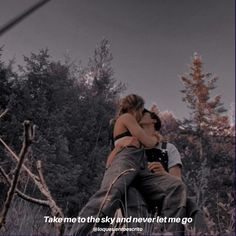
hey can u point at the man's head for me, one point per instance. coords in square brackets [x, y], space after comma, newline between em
[150, 118]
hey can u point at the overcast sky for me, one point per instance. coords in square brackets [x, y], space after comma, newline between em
[152, 41]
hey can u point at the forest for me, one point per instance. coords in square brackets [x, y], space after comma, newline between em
[54, 124]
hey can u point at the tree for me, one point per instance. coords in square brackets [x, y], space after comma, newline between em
[98, 92]
[5, 94]
[72, 113]
[207, 113]
[169, 124]
[208, 159]
[99, 68]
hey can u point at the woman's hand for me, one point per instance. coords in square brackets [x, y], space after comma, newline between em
[124, 142]
[128, 141]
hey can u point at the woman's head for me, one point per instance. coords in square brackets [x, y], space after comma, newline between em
[132, 104]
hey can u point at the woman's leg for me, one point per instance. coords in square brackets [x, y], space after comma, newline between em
[115, 181]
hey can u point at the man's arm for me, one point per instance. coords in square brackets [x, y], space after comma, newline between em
[175, 171]
[174, 162]
[156, 167]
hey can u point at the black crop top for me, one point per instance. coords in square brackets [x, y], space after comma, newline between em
[113, 139]
[125, 134]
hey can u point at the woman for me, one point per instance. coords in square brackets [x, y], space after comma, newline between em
[124, 138]
[125, 166]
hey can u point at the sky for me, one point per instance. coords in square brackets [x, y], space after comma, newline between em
[152, 41]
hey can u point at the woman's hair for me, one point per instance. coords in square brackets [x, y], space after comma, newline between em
[155, 117]
[130, 102]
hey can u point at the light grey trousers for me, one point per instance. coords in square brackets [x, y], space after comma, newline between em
[130, 166]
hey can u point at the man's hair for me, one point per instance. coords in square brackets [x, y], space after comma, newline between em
[155, 117]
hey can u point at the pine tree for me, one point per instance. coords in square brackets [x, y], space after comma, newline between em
[207, 117]
[208, 160]
[207, 114]
[100, 97]
[100, 70]
[169, 124]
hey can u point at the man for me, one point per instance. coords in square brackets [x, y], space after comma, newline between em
[164, 158]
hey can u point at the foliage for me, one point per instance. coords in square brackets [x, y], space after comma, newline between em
[72, 119]
[209, 144]
[206, 111]
[72, 106]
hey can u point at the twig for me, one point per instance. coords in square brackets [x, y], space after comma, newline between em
[20, 17]
[42, 180]
[4, 113]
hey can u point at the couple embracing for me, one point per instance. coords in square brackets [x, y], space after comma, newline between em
[135, 132]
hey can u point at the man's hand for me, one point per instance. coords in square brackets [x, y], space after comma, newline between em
[155, 167]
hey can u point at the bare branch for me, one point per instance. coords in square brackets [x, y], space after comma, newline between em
[4, 113]
[26, 143]
[21, 194]
[23, 15]
[56, 211]
[41, 177]
[38, 180]
[42, 186]
[33, 176]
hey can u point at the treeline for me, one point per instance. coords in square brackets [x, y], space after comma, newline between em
[71, 107]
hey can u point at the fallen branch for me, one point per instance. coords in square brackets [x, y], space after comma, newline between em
[55, 210]
[26, 143]
[21, 194]
[33, 176]
[40, 183]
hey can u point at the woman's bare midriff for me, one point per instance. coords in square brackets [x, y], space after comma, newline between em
[119, 144]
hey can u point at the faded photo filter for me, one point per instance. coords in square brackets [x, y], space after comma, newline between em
[117, 117]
